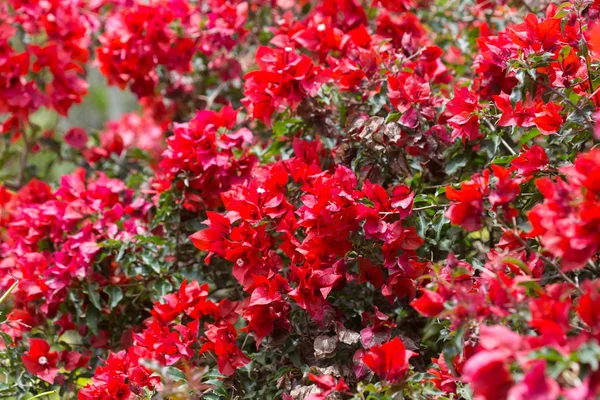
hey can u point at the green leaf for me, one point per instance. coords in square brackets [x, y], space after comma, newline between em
[162, 287]
[115, 295]
[93, 295]
[503, 159]
[176, 374]
[393, 117]
[7, 339]
[457, 162]
[92, 317]
[534, 132]
[286, 127]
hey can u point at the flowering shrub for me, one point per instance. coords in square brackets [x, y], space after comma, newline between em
[333, 199]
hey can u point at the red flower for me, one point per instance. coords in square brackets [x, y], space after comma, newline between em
[328, 384]
[76, 137]
[430, 304]
[465, 125]
[284, 78]
[530, 160]
[547, 119]
[488, 374]
[467, 206]
[40, 361]
[389, 361]
[536, 385]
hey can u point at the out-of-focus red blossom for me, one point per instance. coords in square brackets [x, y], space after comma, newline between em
[487, 371]
[328, 384]
[72, 219]
[567, 221]
[488, 375]
[389, 361]
[139, 38]
[40, 361]
[135, 130]
[76, 137]
[535, 385]
[587, 306]
[61, 56]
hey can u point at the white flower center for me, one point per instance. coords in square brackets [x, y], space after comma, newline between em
[43, 360]
[321, 27]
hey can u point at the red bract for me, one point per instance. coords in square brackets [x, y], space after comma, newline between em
[566, 222]
[467, 206]
[430, 304]
[137, 40]
[200, 156]
[464, 123]
[40, 361]
[535, 385]
[328, 384]
[389, 361]
[530, 160]
[587, 306]
[266, 309]
[76, 137]
[488, 375]
[284, 79]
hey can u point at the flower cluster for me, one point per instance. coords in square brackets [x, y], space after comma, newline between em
[49, 245]
[175, 335]
[200, 157]
[315, 199]
[49, 73]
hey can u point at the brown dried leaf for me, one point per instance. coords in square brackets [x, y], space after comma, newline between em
[325, 346]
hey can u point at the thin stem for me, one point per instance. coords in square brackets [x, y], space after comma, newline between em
[42, 394]
[433, 206]
[504, 142]
[508, 147]
[10, 289]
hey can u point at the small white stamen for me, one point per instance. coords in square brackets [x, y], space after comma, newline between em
[42, 360]
[321, 27]
[260, 190]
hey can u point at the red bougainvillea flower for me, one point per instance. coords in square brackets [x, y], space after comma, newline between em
[76, 137]
[462, 107]
[488, 374]
[535, 385]
[328, 384]
[467, 202]
[389, 361]
[531, 160]
[430, 304]
[284, 78]
[40, 361]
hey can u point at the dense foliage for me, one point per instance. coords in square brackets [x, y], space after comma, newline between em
[316, 199]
